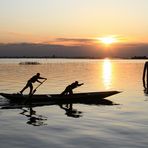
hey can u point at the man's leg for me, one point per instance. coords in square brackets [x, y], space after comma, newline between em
[65, 91]
[31, 88]
[70, 92]
[24, 88]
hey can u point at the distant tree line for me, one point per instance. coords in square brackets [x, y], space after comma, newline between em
[139, 57]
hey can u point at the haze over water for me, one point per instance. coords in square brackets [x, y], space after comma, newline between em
[123, 125]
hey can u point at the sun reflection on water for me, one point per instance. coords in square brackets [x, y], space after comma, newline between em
[107, 73]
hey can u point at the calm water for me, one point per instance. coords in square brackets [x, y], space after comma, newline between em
[124, 125]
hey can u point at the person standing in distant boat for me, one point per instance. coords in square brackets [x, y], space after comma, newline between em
[69, 89]
[145, 76]
[34, 79]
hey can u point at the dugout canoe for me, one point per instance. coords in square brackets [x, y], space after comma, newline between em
[85, 98]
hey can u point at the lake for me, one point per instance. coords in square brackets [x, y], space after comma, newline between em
[124, 125]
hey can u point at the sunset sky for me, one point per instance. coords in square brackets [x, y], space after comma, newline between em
[42, 21]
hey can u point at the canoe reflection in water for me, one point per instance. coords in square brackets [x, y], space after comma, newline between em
[70, 111]
[39, 120]
[33, 118]
[17, 101]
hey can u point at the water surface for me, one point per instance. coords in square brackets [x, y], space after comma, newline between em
[124, 125]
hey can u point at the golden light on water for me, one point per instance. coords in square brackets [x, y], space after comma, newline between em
[107, 73]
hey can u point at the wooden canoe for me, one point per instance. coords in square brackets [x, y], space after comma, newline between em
[85, 98]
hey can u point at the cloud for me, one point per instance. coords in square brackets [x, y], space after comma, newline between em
[84, 40]
[71, 41]
[83, 50]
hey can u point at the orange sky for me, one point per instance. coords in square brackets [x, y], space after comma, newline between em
[42, 21]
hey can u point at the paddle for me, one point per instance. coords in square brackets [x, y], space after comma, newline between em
[34, 91]
[37, 87]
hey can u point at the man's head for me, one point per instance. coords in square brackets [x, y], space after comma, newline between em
[38, 74]
[76, 82]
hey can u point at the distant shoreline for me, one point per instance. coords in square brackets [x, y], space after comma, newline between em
[140, 57]
[56, 58]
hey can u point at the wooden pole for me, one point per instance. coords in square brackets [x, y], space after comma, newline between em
[145, 76]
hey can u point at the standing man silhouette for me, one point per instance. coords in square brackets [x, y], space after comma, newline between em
[34, 79]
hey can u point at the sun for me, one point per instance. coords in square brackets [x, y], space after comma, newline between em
[108, 40]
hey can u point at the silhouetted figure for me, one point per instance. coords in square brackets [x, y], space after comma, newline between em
[69, 89]
[34, 79]
[70, 112]
[145, 76]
